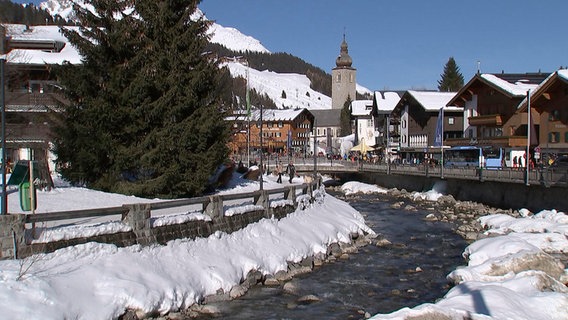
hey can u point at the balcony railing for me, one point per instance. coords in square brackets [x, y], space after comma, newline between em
[486, 120]
[34, 101]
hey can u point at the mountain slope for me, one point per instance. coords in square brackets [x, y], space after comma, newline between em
[287, 90]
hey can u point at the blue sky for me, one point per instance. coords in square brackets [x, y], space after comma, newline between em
[405, 44]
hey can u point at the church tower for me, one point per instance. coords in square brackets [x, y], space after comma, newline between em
[343, 78]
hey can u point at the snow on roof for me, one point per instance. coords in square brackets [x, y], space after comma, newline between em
[40, 33]
[386, 101]
[563, 73]
[361, 107]
[434, 100]
[276, 114]
[518, 89]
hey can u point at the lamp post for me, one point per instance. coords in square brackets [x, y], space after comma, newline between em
[527, 180]
[4, 204]
[261, 152]
[315, 150]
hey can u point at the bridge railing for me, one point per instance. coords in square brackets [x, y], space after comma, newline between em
[226, 212]
[544, 176]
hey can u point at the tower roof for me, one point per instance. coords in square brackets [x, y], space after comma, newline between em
[343, 60]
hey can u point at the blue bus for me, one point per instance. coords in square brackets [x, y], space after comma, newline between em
[474, 156]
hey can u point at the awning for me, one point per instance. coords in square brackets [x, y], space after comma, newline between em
[362, 147]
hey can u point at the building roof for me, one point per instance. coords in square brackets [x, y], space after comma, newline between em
[32, 45]
[560, 76]
[430, 101]
[361, 107]
[516, 89]
[511, 85]
[385, 101]
[278, 114]
[434, 100]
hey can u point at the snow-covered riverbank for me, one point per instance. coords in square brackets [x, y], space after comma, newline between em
[514, 269]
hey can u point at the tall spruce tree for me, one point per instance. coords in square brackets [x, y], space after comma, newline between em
[345, 118]
[144, 119]
[452, 79]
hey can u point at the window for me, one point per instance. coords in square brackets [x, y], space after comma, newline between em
[404, 124]
[339, 77]
[565, 136]
[554, 115]
[280, 124]
[450, 120]
[554, 137]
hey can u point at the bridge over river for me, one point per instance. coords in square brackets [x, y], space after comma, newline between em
[537, 189]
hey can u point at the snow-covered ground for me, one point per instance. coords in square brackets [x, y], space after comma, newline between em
[98, 281]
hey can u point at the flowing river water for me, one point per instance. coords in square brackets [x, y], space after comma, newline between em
[407, 273]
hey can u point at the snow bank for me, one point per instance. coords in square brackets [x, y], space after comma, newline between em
[512, 275]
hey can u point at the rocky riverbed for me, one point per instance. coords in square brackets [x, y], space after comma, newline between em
[462, 215]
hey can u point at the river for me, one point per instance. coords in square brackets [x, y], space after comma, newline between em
[407, 273]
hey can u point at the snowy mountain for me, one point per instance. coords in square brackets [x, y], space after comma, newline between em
[295, 86]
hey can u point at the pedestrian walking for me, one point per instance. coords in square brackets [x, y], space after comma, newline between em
[291, 170]
[279, 172]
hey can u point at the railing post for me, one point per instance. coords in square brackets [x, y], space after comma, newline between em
[12, 235]
[290, 194]
[262, 199]
[214, 207]
[138, 218]
[306, 188]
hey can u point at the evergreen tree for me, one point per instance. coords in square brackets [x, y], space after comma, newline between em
[452, 79]
[144, 120]
[345, 118]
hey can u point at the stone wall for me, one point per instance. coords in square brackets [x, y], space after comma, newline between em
[496, 194]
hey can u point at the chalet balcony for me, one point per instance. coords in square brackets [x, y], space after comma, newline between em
[492, 120]
[34, 101]
[20, 135]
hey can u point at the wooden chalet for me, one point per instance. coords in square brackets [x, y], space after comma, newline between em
[549, 114]
[417, 114]
[489, 101]
[32, 96]
[283, 131]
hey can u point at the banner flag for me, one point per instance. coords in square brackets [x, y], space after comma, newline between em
[439, 135]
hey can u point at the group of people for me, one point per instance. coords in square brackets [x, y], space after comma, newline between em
[290, 170]
[521, 162]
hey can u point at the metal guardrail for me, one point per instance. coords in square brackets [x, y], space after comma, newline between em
[541, 176]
